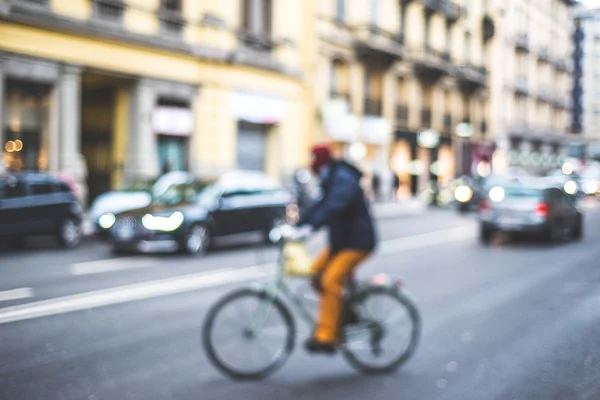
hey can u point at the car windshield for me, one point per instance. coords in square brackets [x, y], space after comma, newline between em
[520, 192]
[208, 196]
[176, 194]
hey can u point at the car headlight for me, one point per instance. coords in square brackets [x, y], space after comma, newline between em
[106, 221]
[571, 187]
[496, 194]
[165, 224]
[591, 187]
[463, 193]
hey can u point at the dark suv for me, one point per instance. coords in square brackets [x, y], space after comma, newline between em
[38, 204]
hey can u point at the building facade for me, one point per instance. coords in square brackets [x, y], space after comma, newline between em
[531, 82]
[395, 79]
[112, 92]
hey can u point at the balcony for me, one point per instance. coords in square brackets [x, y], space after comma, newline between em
[448, 8]
[42, 3]
[522, 42]
[521, 86]
[401, 116]
[372, 106]
[448, 123]
[560, 101]
[377, 46]
[544, 55]
[431, 64]
[171, 23]
[426, 118]
[543, 95]
[561, 65]
[339, 95]
[471, 77]
[108, 10]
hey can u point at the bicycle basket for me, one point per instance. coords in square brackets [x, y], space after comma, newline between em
[297, 260]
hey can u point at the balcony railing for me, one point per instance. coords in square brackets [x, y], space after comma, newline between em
[372, 106]
[449, 8]
[431, 63]
[337, 94]
[522, 42]
[544, 54]
[171, 23]
[37, 2]
[448, 123]
[375, 43]
[473, 74]
[109, 10]
[426, 118]
[521, 86]
[402, 115]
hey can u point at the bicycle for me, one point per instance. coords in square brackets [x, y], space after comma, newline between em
[360, 330]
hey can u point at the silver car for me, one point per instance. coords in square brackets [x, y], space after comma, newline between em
[529, 208]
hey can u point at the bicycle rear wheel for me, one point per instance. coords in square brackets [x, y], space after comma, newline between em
[387, 333]
[248, 334]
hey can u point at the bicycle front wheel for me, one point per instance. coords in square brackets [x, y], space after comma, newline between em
[248, 334]
[386, 333]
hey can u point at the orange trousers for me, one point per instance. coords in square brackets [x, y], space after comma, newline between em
[335, 271]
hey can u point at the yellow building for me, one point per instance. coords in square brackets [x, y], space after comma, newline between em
[111, 91]
[396, 78]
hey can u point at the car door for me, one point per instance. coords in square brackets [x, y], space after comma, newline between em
[557, 208]
[571, 214]
[15, 208]
[46, 205]
[231, 214]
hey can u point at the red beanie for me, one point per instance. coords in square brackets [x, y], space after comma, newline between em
[321, 156]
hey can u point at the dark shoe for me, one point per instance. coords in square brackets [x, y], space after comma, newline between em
[312, 345]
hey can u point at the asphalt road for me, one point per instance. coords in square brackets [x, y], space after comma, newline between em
[510, 321]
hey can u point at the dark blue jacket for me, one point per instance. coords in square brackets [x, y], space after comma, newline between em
[343, 208]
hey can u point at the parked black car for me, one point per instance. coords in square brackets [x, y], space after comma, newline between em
[34, 204]
[187, 220]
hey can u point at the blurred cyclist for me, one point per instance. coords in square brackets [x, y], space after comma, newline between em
[343, 208]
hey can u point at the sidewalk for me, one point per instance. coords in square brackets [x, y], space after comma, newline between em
[398, 209]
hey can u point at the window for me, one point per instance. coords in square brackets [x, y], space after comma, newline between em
[340, 10]
[13, 189]
[427, 26]
[374, 11]
[109, 10]
[171, 21]
[403, 6]
[40, 188]
[448, 36]
[467, 56]
[257, 17]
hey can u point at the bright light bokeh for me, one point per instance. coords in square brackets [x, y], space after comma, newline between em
[497, 194]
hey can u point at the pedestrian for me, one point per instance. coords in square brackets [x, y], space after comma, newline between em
[376, 184]
[395, 185]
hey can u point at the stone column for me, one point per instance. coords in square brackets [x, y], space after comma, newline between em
[2, 122]
[142, 154]
[71, 159]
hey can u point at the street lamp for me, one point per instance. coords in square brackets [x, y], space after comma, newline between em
[430, 139]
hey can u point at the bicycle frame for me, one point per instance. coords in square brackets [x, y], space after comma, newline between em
[278, 288]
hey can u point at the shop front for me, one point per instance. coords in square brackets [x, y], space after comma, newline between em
[173, 127]
[258, 145]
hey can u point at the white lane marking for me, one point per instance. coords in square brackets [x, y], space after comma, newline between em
[427, 239]
[192, 282]
[16, 294]
[129, 293]
[113, 264]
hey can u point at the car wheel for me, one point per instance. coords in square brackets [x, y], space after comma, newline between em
[69, 234]
[196, 240]
[485, 235]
